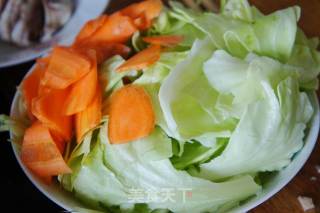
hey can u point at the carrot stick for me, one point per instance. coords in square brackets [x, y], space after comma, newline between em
[168, 41]
[142, 59]
[131, 115]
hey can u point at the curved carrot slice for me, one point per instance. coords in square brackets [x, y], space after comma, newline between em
[59, 141]
[30, 85]
[170, 40]
[105, 50]
[131, 115]
[142, 59]
[66, 67]
[47, 108]
[142, 22]
[40, 154]
[91, 27]
[117, 28]
[88, 118]
[82, 93]
[149, 9]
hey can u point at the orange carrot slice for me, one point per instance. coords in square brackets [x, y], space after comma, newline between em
[142, 22]
[131, 115]
[91, 27]
[66, 67]
[104, 50]
[168, 41]
[59, 141]
[82, 93]
[40, 154]
[142, 59]
[149, 9]
[30, 85]
[47, 108]
[116, 29]
[88, 118]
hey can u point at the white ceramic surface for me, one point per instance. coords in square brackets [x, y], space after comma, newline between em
[276, 183]
[85, 10]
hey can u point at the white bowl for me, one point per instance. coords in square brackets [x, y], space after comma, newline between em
[67, 201]
[85, 10]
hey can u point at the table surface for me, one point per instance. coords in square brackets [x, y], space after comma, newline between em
[19, 193]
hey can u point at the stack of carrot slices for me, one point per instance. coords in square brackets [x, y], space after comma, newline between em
[62, 93]
[63, 96]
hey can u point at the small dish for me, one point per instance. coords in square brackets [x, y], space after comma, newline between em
[85, 10]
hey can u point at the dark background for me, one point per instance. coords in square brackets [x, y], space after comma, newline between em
[19, 194]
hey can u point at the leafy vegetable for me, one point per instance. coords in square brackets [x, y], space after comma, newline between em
[269, 144]
[116, 170]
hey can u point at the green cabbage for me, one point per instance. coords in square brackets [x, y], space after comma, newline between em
[109, 175]
[230, 101]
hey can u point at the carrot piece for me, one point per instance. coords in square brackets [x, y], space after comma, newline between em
[142, 22]
[82, 93]
[59, 140]
[40, 154]
[88, 118]
[142, 59]
[148, 9]
[104, 50]
[30, 85]
[91, 27]
[66, 67]
[116, 29]
[168, 41]
[131, 114]
[47, 108]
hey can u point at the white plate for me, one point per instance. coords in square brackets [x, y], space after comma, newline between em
[67, 201]
[85, 10]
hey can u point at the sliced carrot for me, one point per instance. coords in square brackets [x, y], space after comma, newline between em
[59, 140]
[104, 50]
[170, 40]
[149, 9]
[116, 29]
[40, 154]
[47, 108]
[66, 67]
[88, 118]
[30, 85]
[82, 93]
[91, 27]
[142, 22]
[142, 59]
[131, 114]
